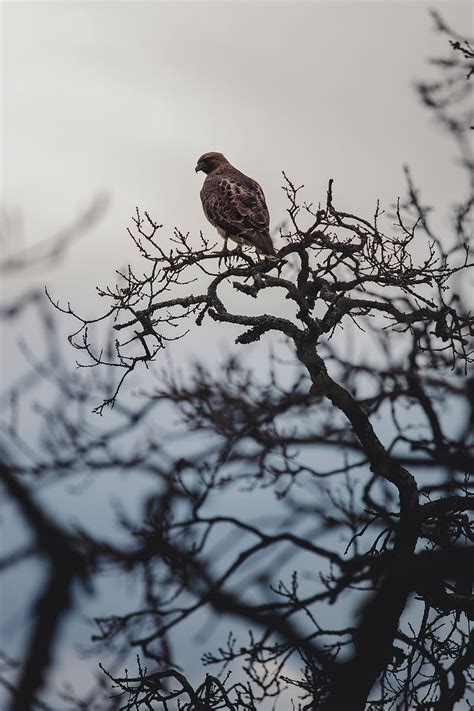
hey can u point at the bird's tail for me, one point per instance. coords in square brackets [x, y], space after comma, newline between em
[266, 246]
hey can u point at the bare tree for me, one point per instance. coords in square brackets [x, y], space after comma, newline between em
[363, 431]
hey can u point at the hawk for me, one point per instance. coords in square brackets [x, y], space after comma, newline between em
[234, 204]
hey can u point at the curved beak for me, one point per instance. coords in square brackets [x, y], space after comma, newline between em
[198, 168]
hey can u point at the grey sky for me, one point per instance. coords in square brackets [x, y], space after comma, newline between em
[123, 97]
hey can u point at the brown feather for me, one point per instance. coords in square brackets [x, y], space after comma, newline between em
[235, 205]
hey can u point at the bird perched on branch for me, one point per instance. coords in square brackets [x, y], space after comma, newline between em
[235, 204]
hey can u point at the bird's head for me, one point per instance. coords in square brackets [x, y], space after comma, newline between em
[209, 162]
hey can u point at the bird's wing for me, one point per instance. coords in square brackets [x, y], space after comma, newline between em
[236, 204]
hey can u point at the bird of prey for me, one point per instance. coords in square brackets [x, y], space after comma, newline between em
[235, 204]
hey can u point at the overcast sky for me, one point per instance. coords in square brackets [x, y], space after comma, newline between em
[122, 97]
